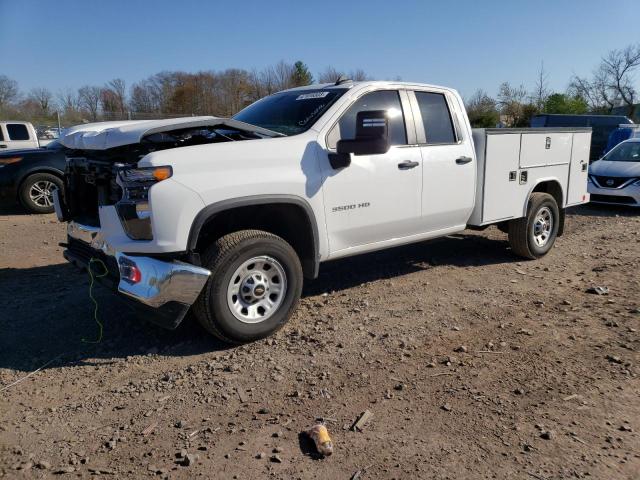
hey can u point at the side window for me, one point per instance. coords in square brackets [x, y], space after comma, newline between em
[436, 118]
[17, 131]
[388, 100]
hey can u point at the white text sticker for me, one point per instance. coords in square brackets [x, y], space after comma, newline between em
[309, 96]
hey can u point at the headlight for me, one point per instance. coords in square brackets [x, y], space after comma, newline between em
[133, 209]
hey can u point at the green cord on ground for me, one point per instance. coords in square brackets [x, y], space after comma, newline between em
[95, 303]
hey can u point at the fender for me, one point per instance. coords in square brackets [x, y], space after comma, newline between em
[210, 211]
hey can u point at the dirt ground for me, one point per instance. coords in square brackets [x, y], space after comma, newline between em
[473, 363]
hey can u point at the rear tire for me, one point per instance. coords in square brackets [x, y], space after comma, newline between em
[254, 287]
[36, 192]
[533, 235]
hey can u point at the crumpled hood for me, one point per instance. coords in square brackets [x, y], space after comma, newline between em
[104, 135]
[603, 168]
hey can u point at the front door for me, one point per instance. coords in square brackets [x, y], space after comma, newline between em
[377, 197]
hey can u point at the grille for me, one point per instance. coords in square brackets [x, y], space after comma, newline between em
[612, 199]
[611, 182]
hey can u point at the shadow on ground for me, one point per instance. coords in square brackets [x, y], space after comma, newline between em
[602, 210]
[47, 312]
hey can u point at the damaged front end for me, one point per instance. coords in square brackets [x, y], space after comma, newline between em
[106, 197]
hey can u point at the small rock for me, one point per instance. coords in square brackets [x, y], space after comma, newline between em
[446, 407]
[43, 465]
[625, 428]
[461, 349]
[614, 359]
[399, 387]
[264, 411]
[180, 424]
[547, 435]
[598, 290]
[519, 391]
[260, 455]
[275, 459]
[189, 459]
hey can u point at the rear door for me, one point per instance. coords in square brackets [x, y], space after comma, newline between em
[578, 169]
[448, 160]
[378, 197]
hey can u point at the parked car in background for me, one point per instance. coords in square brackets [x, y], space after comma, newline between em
[30, 176]
[615, 179]
[601, 126]
[18, 136]
[622, 133]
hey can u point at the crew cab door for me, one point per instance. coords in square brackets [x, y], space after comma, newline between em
[376, 197]
[448, 160]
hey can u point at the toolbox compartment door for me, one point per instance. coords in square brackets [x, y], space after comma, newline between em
[544, 149]
[579, 169]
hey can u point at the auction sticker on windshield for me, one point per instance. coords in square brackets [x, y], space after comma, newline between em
[309, 96]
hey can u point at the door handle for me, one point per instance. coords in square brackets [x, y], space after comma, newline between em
[407, 164]
[463, 160]
[3, 146]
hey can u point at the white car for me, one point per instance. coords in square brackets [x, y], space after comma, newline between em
[229, 215]
[18, 136]
[615, 178]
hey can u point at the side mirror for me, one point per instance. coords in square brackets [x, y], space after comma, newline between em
[372, 138]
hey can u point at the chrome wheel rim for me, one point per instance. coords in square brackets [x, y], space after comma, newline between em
[543, 226]
[257, 289]
[41, 193]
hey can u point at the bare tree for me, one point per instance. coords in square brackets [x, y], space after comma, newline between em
[541, 91]
[617, 70]
[482, 110]
[118, 88]
[89, 100]
[329, 75]
[43, 98]
[612, 82]
[8, 91]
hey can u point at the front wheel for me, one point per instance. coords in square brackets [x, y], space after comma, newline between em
[36, 192]
[533, 235]
[254, 287]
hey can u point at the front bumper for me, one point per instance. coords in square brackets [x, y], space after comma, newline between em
[166, 289]
[629, 195]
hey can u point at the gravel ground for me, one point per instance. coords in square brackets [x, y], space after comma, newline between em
[472, 363]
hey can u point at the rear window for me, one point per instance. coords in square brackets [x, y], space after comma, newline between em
[17, 131]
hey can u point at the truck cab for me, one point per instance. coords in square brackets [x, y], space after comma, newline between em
[226, 216]
[17, 136]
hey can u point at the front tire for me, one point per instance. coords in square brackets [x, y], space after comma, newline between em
[533, 235]
[36, 192]
[254, 287]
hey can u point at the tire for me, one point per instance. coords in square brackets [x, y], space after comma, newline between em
[238, 263]
[533, 235]
[36, 192]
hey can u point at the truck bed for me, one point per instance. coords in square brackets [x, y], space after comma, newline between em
[512, 161]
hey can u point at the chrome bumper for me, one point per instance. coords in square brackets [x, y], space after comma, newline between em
[160, 282]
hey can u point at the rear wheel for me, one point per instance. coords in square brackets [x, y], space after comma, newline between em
[36, 192]
[533, 235]
[254, 287]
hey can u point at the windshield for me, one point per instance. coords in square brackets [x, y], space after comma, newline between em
[292, 112]
[624, 152]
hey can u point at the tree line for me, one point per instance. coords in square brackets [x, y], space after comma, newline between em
[225, 92]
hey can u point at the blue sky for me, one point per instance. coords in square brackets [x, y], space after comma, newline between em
[458, 43]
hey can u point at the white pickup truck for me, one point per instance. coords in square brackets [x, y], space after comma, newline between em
[226, 216]
[19, 136]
